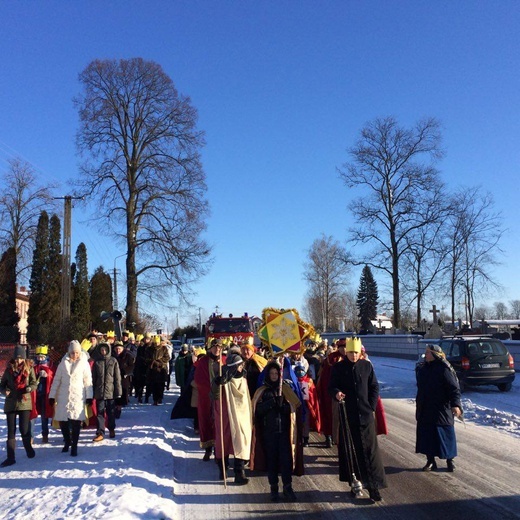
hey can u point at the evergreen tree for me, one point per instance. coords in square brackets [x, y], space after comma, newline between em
[367, 298]
[8, 315]
[37, 280]
[80, 303]
[100, 299]
[51, 298]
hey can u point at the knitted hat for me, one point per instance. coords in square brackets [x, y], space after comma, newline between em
[19, 352]
[233, 358]
[74, 346]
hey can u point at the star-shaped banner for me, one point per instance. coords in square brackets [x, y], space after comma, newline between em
[283, 330]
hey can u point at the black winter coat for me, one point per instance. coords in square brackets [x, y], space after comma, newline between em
[106, 378]
[358, 382]
[437, 392]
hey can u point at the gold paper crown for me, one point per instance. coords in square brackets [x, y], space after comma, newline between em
[42, 350]
[86, 344]
[111, 334]
[353, 345]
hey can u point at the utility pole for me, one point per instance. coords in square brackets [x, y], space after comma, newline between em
[65, 266]
[116, 303]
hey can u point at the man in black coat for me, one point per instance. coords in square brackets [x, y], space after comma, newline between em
[354, 385]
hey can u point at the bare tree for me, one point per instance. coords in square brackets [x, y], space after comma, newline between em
[474, 231]
[387, 162]
[144, 171]
[515, 309]
[22, 200]
[425, 255]
[327, 275]
[500, 309]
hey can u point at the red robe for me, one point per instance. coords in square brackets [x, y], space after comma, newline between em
[49, 410]
[310, 396]
[324, 399]
[206, 369]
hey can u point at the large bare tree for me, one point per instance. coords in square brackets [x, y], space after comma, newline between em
[474, 230]
[327, 276]
[22, 200]
[394, 166]
[143, 169]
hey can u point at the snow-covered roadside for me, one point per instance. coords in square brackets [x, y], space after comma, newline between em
[129, 477]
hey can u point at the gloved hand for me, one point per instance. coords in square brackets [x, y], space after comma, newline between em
[52, 401]
[42, 373]
[28, 390]
[89, 402]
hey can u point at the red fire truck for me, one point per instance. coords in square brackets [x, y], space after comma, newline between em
[239, 328]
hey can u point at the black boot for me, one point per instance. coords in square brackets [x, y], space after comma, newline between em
[374, 494]
[431, 465]
[220, 469]
[65, 431]
[11, 446]
[305, 442]
[240, 474]
[274, 494]
[207, 454]
[28, 446]
[76, 427]
[451, 465]
[288, 493]
[328, 441]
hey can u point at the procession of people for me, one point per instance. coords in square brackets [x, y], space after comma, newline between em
[248, 402]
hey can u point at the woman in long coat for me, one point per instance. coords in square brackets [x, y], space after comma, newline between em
[18, 382]
[71, 390]
[437, 403]
[354, 385]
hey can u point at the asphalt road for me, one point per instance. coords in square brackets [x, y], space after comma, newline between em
[485, 485]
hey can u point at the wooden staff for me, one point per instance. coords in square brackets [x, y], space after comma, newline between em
[222, 460]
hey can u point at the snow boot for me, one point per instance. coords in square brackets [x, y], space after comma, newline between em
[27, 444]
[305, 442]
[274, 495]
[11, 446]
[451, 465]
[328, 441]
[65, 431]
[76, 427]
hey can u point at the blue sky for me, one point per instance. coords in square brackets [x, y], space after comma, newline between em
[282, 89]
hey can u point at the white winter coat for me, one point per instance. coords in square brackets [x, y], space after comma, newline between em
[71, 386]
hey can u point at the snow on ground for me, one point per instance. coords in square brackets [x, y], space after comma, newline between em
[133, 476]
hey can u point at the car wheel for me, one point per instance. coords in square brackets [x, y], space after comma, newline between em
[504, 387]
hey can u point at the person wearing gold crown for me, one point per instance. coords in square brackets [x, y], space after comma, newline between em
[44, 373]
[353, 384]
[253, 366]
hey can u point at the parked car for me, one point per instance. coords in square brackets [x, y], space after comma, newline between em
[480, 360]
